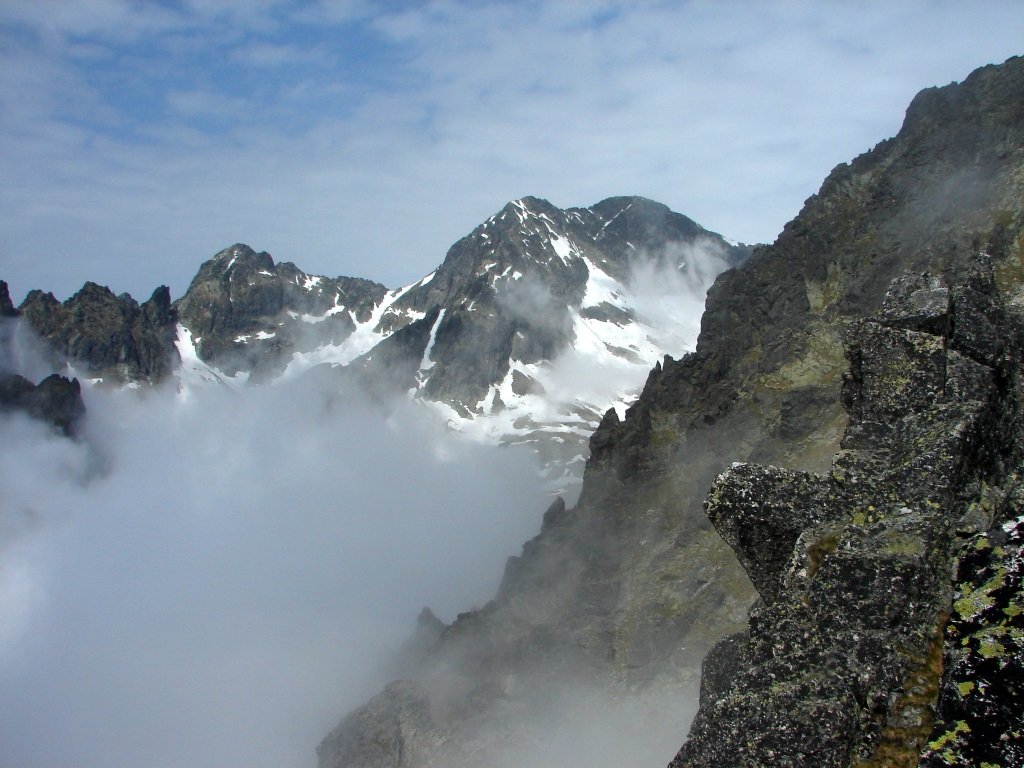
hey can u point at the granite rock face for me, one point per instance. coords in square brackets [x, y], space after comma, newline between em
[843, 661]
[851, 657]
[56, 400]
[106, 336]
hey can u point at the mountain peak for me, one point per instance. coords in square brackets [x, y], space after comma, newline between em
[241, 254]
[518, 212]
[6, 305]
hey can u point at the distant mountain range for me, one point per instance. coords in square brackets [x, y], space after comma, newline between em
[533, 326]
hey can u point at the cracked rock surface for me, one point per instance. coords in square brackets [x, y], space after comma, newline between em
[859, 626]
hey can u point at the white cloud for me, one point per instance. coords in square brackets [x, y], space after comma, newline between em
[223, 589]
[731, 113]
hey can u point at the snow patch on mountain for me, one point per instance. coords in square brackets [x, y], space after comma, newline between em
[563, 247]
[426, 363]
[196, 372]
[364, 338]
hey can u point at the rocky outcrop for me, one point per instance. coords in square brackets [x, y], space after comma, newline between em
[106, 336]
[629, 589]
[56, 400]
[247, 313]
[843, 660]
[931, 393]
[395, 728]
[6, 306]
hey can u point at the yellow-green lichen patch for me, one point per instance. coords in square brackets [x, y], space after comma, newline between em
[897, 543]
[866, 516]
[821, 294]
[819, 549]
[973, 604]
[990, 647]
[1009, 272]
[945, 746]
[823, 363]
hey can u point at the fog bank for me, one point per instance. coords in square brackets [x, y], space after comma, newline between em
[213, 581]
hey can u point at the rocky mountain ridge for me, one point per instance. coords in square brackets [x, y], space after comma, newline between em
[56, 399]
[801, 361]
[492, 339]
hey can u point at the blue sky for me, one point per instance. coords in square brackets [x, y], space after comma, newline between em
[139, 138]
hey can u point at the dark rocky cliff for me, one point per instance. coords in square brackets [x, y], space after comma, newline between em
[106, 336]
[55, 399]
[244, 310]
[843, 660]
[632, 587]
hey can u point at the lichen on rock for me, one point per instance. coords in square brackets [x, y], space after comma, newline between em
[843, 665]
[981, 706]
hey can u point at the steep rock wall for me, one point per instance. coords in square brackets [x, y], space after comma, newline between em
[842, 662]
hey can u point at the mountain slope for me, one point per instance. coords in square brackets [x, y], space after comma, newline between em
[532, 326]
[630, 588]
[246, 313]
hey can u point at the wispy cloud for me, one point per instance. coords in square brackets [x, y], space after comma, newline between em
[349, 139]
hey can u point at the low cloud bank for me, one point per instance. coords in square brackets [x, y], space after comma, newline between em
[214, 581]
[595, 730]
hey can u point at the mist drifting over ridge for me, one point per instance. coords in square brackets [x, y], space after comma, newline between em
[210, 581]
[212, 574]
